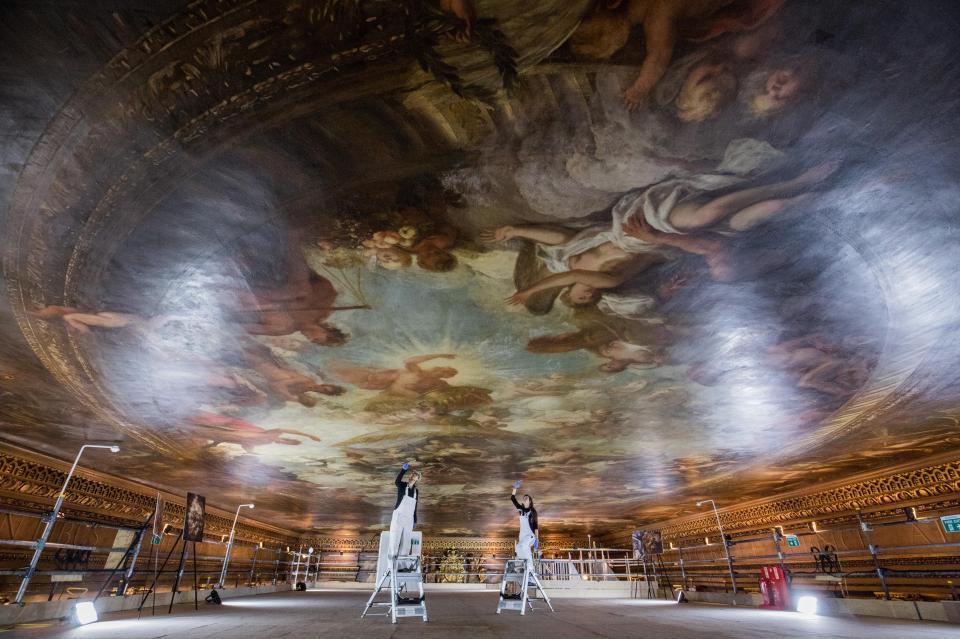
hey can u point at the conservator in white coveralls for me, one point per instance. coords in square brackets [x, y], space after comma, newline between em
[404, 513]
[529, 539]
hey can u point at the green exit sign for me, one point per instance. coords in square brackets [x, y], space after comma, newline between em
[793, 541]
[950, 523]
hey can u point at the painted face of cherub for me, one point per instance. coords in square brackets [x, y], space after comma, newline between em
[393, 259]
[705, 92]
[583, 295]
[781, 88]
[385, 239]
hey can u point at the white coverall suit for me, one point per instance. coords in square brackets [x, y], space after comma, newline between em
[401, 525]
[526, 539]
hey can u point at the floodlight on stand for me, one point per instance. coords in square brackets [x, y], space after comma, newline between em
[724, 539]
[807, 605]
[85, 612]
[51, 520]
[226, 555]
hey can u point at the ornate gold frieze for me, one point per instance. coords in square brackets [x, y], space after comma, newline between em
[431, 544]
[920, 488]
[32, 487]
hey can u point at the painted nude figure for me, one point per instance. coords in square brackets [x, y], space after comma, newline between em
[646, 221]
[411, 381]
[607, 29]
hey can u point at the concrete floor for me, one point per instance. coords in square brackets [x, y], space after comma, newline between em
[468, 615]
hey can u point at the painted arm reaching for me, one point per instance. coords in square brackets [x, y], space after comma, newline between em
[412, 364]
[593, 279]
[549, 235]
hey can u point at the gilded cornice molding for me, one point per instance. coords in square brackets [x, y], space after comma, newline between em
[930, 488]
[31, 485]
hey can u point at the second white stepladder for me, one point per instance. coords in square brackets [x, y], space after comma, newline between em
[522, 573]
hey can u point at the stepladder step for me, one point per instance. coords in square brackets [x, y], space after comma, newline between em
[400, 587]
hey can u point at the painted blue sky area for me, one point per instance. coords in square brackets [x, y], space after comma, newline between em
[415, 312]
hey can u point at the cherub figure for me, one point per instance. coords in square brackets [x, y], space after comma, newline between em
[820, 365]
[618, 353]
[283, 382]
[420, 230]
[302, 303]
[607, 29]
[396, 250]
[778, 85]
[707, 86]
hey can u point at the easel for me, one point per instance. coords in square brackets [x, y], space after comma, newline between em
[176, 583]
[401, 573]
[133, 550]
[522, 573]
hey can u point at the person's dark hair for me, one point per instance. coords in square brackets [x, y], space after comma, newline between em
[534, 524]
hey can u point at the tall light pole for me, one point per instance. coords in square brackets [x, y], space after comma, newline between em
[723, 538]
[226, 557]
[51, 519]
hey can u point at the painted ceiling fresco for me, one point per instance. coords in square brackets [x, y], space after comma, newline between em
[633, 253]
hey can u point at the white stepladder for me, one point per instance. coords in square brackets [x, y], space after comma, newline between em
[402, 578]
[520, 572]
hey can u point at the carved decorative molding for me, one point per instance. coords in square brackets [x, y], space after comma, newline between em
[32, 486]
[432, 544]
[929, 489]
